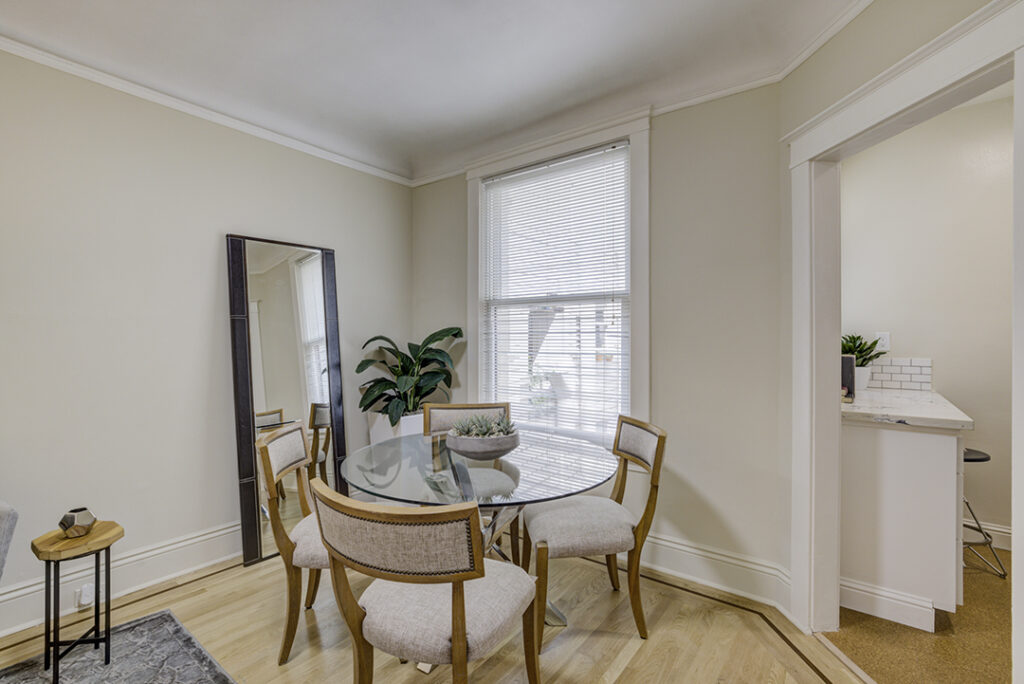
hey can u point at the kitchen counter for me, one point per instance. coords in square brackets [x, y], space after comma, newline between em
[901, 556]
[914, 408]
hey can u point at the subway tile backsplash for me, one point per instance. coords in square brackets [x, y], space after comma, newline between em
[901, 372]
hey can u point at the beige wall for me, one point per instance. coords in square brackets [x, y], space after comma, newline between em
[881, 35]
[439, 266]
[927, 255]
[714, 323]
[116, 389]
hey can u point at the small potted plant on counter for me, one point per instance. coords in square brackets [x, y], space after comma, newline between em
[393, 402]
[483, 438]
[865, 353]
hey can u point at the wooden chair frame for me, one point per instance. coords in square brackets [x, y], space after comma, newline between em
[316, 448]
[640, 531]
[354, 613]
[285, 545]
[280, 419]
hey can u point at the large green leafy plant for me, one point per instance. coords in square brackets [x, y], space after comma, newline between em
[410, 378]
[861, 348]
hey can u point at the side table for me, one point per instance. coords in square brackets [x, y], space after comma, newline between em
[52, 548]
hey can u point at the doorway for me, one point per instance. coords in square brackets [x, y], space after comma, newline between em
[947, 73]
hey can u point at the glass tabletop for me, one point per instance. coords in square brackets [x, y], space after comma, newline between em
[421, 470]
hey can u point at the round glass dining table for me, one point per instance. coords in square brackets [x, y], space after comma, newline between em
[419, 469]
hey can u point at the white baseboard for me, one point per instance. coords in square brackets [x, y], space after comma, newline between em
[887, 604]
[1001, 534]
[21, 605]
[727, 571]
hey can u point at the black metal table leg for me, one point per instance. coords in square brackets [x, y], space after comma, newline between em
[46, 619]
[96, 604]
[56, 621]
[106, 595]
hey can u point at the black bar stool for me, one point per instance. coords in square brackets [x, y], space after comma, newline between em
[975, 456]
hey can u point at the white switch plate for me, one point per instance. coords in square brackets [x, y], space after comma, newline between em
[884, 343]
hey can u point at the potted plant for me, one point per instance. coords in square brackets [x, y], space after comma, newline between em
[865, 353]
[483, 438]
[393, 402]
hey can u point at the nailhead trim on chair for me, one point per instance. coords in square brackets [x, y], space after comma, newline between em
[469, 543]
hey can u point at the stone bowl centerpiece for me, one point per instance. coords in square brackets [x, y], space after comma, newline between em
[482, 437]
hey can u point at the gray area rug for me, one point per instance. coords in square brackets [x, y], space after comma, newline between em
[155, 648]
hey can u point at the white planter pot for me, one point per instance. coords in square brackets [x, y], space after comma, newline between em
[381, 428]
[861, 377]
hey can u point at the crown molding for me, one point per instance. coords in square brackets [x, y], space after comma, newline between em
[34, 54]
[823, 37]
[913, 59]
[149, 94]
[826, 35]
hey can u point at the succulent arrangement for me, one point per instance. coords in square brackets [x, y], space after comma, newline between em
[861, 348]
[483, 426]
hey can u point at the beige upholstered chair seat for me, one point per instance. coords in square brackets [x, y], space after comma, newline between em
[414, 621]
[490, 482]
[310, 551]
[581, 526]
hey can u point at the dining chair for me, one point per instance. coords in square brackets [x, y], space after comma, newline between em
[268, 417]
[438, 419]
[8, 519]
[319, 419]
[599, 526]
[283, 452]
[407, 610]
[263, 419]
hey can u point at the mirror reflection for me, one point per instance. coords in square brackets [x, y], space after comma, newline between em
[288, 356]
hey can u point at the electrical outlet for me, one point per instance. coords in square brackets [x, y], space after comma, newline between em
[85, 596]
[884, 343]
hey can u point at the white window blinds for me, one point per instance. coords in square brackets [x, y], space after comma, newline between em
[309, 277]
[554, 314]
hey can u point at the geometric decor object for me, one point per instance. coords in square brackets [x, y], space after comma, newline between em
[77, 522]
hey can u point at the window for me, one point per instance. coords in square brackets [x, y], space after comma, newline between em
[555, 291]
[313, 334]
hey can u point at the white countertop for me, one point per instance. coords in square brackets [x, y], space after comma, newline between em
[913, 408]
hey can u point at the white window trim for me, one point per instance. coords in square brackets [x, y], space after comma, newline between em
[637, 131]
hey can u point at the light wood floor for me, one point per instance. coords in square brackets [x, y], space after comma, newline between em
[696, 634]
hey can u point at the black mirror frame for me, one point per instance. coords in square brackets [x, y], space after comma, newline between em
[245, 434]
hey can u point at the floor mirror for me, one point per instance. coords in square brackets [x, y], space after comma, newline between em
[286, 371]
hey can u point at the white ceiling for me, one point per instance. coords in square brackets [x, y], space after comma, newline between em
[420, 87]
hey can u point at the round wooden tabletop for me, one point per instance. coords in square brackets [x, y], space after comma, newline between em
[54, 546]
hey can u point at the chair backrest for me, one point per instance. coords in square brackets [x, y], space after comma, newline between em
[643, 444]
[8, 519]
[439, 418]
[269, 417]
[281, 452]
[319, 419]
[640, 443]
[429, 544]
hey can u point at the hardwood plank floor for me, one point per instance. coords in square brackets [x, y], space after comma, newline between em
[696, 634]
